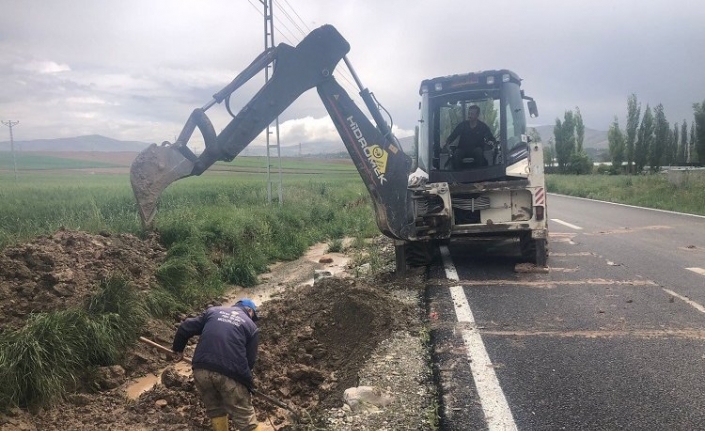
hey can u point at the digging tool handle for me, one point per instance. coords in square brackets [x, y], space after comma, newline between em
[274, 401]
[162, 348]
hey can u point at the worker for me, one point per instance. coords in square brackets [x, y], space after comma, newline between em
[474, 135]
[223, 362]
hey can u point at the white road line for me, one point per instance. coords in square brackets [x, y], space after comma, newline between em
[494, 403]
[695, 305]
[572, 226]
[700, 271]
[629, 206]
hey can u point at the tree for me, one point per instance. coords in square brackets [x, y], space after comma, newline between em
[683, 146]
[548, 156]
[699, 114]
[691, 145]
[660, 143]
[579, 130]
[580, 164]
[633, 112]
[564, 133]
[616, 145]
[644, 138]
[672, 156]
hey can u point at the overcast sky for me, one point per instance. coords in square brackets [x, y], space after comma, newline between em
[135, 69]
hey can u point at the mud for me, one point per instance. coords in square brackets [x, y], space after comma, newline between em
[314, 341]
[61, 270]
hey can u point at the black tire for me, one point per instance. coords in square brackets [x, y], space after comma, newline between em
[418, 253]
[533, 250]
[541, 252]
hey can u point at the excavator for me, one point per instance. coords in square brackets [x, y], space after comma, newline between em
[418, 201]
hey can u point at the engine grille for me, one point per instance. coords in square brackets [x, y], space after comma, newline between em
[471, 204]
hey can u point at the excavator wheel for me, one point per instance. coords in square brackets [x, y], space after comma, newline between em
[533, 250]
[418, 253]
[412, 254]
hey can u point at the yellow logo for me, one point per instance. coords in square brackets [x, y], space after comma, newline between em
[379, 157]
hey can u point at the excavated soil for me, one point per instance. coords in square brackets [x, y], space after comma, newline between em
[315, 338]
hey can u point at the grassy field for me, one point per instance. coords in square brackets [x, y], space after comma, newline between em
[31, 161]
[652, 191]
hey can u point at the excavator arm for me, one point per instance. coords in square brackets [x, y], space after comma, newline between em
[383, 165]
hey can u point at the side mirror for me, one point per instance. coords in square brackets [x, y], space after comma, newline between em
[533, 109]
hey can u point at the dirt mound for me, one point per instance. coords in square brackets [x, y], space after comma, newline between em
[314, 339]
[59, 271]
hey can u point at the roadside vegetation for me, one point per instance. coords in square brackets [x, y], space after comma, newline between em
[50, 355]
[651, 191]
[637, 155]
[218, 230]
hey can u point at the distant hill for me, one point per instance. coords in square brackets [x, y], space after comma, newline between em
[104, 144]
[79, 143]
[596, 139]
[317, 148]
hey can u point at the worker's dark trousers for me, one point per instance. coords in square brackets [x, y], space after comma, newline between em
[224, 396]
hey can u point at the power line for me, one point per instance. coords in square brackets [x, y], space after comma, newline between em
[277, 29]
[286, 14]
[308, 30]
[342, 72]
[287, 29]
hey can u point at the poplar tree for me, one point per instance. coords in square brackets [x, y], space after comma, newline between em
[660, 143]
[564, 133]
[691, 145]
[644, 137]
[683, 153]
[699, 135]
[673, 147]
[633, 112]
[579, 131]
[616, 145]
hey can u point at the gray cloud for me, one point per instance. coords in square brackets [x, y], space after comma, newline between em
[135, 70]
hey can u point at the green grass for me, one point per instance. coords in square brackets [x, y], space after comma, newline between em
[51, 354]
[29, 161]
[651, 191]
[260, 163]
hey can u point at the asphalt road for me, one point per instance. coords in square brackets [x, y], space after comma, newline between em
[612, 338]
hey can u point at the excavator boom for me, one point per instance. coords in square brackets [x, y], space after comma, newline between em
[379, 158]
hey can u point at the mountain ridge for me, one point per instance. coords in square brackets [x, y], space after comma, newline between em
[595, 139]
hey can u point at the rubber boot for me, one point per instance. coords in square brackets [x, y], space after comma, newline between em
[220, 423]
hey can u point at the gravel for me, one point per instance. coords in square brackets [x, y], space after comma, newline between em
[400, 365]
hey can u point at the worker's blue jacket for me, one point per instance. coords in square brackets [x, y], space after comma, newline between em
[227, 344]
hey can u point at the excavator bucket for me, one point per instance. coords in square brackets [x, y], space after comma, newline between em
[151, 172]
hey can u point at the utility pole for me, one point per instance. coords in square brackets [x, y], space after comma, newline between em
[11, 124]
[269, 43]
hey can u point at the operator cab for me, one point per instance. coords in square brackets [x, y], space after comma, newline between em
[444, 104]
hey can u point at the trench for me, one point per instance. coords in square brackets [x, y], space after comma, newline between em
[282, 276]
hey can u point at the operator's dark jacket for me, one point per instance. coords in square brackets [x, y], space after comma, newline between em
[471, 137]
[227, 345]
